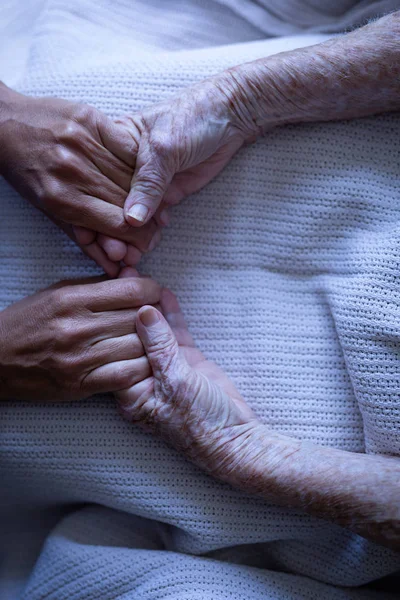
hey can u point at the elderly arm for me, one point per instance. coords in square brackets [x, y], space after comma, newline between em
[184, 142]
[358, 491]
[349, 76]
[193, 405]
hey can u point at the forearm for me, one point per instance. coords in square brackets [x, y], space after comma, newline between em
[354, 75]
[8, 99]
[357, 491]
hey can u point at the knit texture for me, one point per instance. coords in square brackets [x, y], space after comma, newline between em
[286, 267]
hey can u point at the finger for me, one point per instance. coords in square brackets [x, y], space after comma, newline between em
[78, 281]
[128, 272]
[113, 324]
[156, 239]
[193, 179]
[173, 314]
[99, 152]
[115, 376]
[137, 395]
[92, 249]
[163, 218]
[125, 347]
[114, 249]
[105, 140]
[107, 219]
[96, 253]
[149, 184]
[97, 185]
[132, 256]
[75, 173]
[84, 236]
[121, 137]
[161, 346]
[120, 294]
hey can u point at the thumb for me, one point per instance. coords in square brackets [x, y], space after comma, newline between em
[148, 187]
[160, 344]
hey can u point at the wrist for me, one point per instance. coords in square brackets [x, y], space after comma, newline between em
[256, 98]
[261, 462]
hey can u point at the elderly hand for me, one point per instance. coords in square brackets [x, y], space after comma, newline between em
[74, 339]
[187, 399]
[182, 143]
[75, 164]
[193, 405]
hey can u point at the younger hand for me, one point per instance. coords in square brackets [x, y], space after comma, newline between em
[186, 399]
[74, 164]
[74, 339]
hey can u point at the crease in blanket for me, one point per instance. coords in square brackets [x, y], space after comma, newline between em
[291, 17]
[305, 228]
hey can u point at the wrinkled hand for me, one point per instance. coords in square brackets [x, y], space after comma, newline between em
[75, 164]
[181, 144]
[74, 339]
[187, 399]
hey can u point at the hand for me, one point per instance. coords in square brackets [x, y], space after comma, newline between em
[187, 399]
[181, 144]
[74, 339]
[193, 405]
[74, 164]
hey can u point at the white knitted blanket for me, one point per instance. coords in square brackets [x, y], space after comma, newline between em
[302, 228]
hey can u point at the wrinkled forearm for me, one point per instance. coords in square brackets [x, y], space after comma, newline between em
[353, 75]
[357, 491]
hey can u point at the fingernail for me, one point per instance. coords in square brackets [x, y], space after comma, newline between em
[138, 212]
[154, 241]
[149, 316]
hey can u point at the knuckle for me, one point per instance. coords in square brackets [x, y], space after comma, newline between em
[83, 113]
[69, 130]
[65, 332]
[64, 161]
[70, 368]
[151, 181]
[134, 289]
[65, 299]
[50, 194]
[149, 186]
[56, 299]
[164, 348]
[121, 377]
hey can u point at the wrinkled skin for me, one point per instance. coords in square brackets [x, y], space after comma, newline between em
[187, 399]
[74, 164]
[181, 144]
[74, 339]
